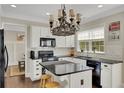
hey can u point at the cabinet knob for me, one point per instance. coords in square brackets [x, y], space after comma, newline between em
[105, 66]
[82, 82]
[37, 68]
[37, 74]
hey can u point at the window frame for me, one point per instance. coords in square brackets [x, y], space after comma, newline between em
[90, 42]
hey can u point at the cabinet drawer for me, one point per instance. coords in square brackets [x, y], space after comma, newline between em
[106, 66]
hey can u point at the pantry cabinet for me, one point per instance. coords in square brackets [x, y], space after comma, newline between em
[111, 75]
[35, 69]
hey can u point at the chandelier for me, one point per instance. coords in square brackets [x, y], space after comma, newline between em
[64, 26]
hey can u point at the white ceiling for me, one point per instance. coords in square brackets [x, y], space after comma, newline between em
[37, 12]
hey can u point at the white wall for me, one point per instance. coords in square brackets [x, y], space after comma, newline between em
[16, 49]
[113, 49]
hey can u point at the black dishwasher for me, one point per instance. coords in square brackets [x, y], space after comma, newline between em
[96, 73]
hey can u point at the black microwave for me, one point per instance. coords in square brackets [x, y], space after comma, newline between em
[47, 42]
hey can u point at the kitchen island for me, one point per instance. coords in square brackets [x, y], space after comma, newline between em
[69, 74]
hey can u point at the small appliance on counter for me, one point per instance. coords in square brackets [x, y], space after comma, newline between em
[72, 52]
[33, 54]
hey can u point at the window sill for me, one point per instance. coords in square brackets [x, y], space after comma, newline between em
[93, 52]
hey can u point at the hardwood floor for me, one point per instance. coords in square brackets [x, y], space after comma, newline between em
[20, 82]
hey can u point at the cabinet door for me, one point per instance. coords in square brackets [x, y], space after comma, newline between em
[70, 41]
[73, 41]
[106, 75]
[81, 80]
[45, 32]
[35, 36]
[60, 41]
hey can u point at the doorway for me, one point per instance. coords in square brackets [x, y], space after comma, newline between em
[15, 43]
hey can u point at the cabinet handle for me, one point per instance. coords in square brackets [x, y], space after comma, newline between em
[37, 61]
[82, 82]
[105, 66]
[37, 74]
[37, 68]
[37, 65]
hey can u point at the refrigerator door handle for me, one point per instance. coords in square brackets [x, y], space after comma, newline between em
[7, 58]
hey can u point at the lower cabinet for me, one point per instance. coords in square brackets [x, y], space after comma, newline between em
[111, 75]
[77, 80]
[81, 80]
[35, 69]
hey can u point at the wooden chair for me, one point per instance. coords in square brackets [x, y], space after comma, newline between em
[47, 82]
[52, 84]
[44, 79]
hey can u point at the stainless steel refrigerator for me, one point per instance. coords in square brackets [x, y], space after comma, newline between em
[3, 59]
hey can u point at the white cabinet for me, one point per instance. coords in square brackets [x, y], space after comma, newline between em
[111, 75]
[45, 32]
[81, 80]
[67, 41]
[60, 41]
[34, 36]
[35, 69]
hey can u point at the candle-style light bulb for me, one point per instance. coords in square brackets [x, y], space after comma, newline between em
[51, 18]
[59, 13]
[71, 13]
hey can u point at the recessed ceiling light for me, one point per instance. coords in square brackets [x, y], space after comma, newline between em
[13, 5]
[100, 6]
[47, 13]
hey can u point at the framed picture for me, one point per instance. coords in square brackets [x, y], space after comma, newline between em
[114, 30]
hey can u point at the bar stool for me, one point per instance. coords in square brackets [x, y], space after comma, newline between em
[44, 79]
[52, 84]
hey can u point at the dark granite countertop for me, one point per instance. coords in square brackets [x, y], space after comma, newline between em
[103, 60]
[60, 68]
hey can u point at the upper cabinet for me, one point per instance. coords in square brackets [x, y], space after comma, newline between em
[34, 36]
[36, 32]
[45, 32]
[70, 41]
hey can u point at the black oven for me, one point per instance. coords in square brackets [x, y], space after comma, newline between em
[47, 42]
[96, 72]
[47, 56]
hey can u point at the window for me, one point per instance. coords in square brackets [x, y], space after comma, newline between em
[84, 46]
[91, 40]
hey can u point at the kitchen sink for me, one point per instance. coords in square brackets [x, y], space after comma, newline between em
[83, 57]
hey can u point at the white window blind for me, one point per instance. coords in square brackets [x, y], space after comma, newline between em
[95, 33]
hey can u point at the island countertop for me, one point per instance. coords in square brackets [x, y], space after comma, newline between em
[60, 68]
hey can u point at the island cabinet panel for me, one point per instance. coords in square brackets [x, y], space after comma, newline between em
[81, 80]
[111, 75]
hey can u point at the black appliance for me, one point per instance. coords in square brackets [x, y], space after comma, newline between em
[96, 73]
[3, 59]
[47, 56]
[47, 42]
[34, 54]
